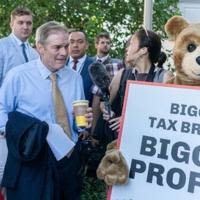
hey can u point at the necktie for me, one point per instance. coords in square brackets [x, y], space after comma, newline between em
[75, 64]
[59, 106]
[24, 51]
[99, 60]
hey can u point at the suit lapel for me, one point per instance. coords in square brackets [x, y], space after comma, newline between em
[84, 68]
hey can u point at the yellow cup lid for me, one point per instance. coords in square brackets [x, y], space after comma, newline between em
[80, 102]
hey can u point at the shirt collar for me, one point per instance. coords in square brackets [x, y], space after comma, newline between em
[80, 60]
[45, 72]
[19, 42]
[102, 58]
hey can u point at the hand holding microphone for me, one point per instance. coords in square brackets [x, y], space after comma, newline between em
[101, 78]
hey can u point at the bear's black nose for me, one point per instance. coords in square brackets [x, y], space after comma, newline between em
[198, 60]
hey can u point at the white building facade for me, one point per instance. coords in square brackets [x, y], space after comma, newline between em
[190, 10]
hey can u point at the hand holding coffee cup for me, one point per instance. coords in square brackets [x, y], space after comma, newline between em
[80, 109]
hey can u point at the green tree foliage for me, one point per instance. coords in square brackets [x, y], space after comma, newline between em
[119, 17]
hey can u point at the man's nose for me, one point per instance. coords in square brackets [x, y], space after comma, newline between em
[25, 25]
[64, 51]
[75, 44]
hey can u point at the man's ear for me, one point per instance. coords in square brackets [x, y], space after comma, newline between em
[174, 26]
[87, 46]
[96, 44]
[40, 48]
[11, 24]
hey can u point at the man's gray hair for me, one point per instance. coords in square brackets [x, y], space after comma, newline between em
[51, 27]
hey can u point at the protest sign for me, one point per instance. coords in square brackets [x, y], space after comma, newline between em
[160, 140]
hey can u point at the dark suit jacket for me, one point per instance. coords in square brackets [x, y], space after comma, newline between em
[87, 82]
[29, 167]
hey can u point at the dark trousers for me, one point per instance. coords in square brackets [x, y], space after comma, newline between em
[70, 171]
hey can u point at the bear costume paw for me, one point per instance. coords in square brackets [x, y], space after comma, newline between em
[113, 168]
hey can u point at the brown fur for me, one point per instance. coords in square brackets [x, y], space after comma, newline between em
[184, 34]
[113, 168]
[188, 35]
[112, 145]
[182, 79]
[174, 26]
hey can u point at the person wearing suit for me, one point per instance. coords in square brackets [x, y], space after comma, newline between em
[79, 61]
[15, 49]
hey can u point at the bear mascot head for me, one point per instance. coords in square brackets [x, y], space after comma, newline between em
[186, 51]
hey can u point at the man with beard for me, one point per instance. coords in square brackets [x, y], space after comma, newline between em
[103, 46]
[112, 65]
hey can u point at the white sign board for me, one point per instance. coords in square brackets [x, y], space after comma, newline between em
[160, 140]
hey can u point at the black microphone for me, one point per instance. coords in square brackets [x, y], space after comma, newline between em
[101, 78]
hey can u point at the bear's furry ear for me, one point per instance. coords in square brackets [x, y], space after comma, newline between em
[174, 26]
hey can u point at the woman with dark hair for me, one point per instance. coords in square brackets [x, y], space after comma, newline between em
[142, 55]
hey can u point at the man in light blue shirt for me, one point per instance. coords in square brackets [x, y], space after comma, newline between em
[36, 99]
[15, 49]
[28, 89]
[12, 54]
